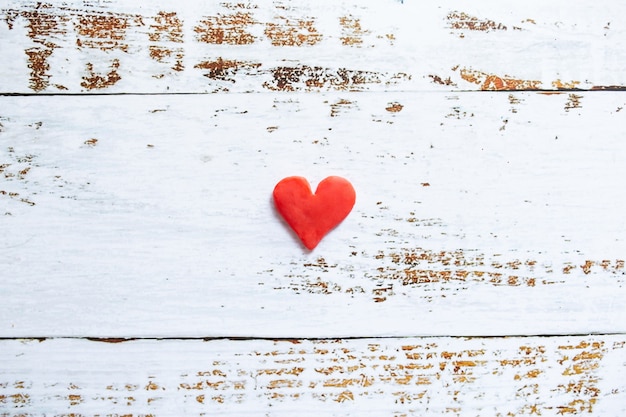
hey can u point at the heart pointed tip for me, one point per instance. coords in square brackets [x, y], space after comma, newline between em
[310, 246]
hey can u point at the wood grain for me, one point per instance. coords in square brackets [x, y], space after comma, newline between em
[476, 214]
[378, 377]
[217, 46]
[140, 142]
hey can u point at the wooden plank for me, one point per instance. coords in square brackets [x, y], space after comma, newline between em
[373, 377]
[130, 218]
[476, 214]
[215, 46]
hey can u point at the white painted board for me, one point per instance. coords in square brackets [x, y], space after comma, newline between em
[165, 46]
[476, 214]
[127, 211]
[367, 377]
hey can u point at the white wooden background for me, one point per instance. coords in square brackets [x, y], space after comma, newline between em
[144, 270]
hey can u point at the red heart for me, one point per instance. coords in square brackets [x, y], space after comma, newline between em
[310, 215]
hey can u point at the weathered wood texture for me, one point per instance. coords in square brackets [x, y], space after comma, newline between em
[210, 46]
[374, 377]
[476, 214]
[482, 209]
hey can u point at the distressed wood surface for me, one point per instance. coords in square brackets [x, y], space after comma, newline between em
[374, 377]
[476, 214]
[216, 46]
[485, 141]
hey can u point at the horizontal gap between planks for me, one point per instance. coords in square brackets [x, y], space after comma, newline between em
[546, 91]
[251, 338]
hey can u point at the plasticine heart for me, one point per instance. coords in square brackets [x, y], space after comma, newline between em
[310, 215]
